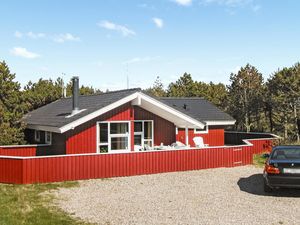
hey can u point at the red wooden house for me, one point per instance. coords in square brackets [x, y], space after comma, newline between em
[124, 121]
[125, 133]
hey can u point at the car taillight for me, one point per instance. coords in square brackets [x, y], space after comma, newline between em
[271, 169]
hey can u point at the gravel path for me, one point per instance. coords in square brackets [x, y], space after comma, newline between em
[214, 196]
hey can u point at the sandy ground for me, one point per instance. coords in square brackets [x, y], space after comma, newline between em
[214, 196]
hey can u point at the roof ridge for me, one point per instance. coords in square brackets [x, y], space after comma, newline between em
[196, 98]
[111, 92]
[103, 93]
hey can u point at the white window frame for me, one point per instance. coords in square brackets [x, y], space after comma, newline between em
[128, 135]
[202, 131]
[50, 135]
[37, 135]
[142, 132]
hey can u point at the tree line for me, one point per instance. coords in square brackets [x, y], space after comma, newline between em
[258, 105]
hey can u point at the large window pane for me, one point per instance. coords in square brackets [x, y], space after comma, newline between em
[119, 143]
[119, 128]
[148, 129]
[138, 126]
[103, 132]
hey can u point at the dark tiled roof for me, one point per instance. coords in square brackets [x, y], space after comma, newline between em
[54, 114]
[197, 108]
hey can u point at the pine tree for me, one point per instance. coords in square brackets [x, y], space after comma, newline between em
[11, 108]
[246, 97]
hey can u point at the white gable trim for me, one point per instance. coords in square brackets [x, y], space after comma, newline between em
[97, 113]
[224, 122]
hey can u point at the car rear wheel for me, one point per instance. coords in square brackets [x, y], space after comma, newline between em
[267, 188]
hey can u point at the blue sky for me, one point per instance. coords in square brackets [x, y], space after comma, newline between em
[102, 41]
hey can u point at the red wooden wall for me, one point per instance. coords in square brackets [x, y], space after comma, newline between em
[52, 169]
[25, 170]
[214, 137]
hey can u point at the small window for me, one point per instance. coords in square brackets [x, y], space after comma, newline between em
[37, 135]
[48, 137]
[201, 131]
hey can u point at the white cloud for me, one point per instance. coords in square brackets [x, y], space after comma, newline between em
[35, 35]
[23, 52]
[139, 59]
[158, 22]
[61, 38]
[18, 34]
[228, 3]
[183, 2]
[231, 6]
[116, 27]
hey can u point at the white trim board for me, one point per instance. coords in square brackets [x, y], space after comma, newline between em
[223, 122]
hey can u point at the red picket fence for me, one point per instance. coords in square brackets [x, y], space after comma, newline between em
[25, 170]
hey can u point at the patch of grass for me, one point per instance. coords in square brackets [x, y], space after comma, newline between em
[25, 204]
[259, 160]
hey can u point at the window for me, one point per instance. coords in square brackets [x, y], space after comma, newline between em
[143, 133]
[113, 137]
[201, 131]
[48, 137]
[37, 135]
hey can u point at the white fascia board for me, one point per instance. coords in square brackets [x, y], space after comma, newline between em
[172, 110]
[224, 122]
[97, 113]
[43, 128]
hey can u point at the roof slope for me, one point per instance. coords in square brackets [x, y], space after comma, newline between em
[197, 108]
[54, 114]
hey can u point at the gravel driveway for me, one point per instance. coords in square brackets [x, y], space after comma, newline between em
[214, 196]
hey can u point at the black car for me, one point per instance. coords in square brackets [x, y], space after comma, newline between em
[282, 168]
